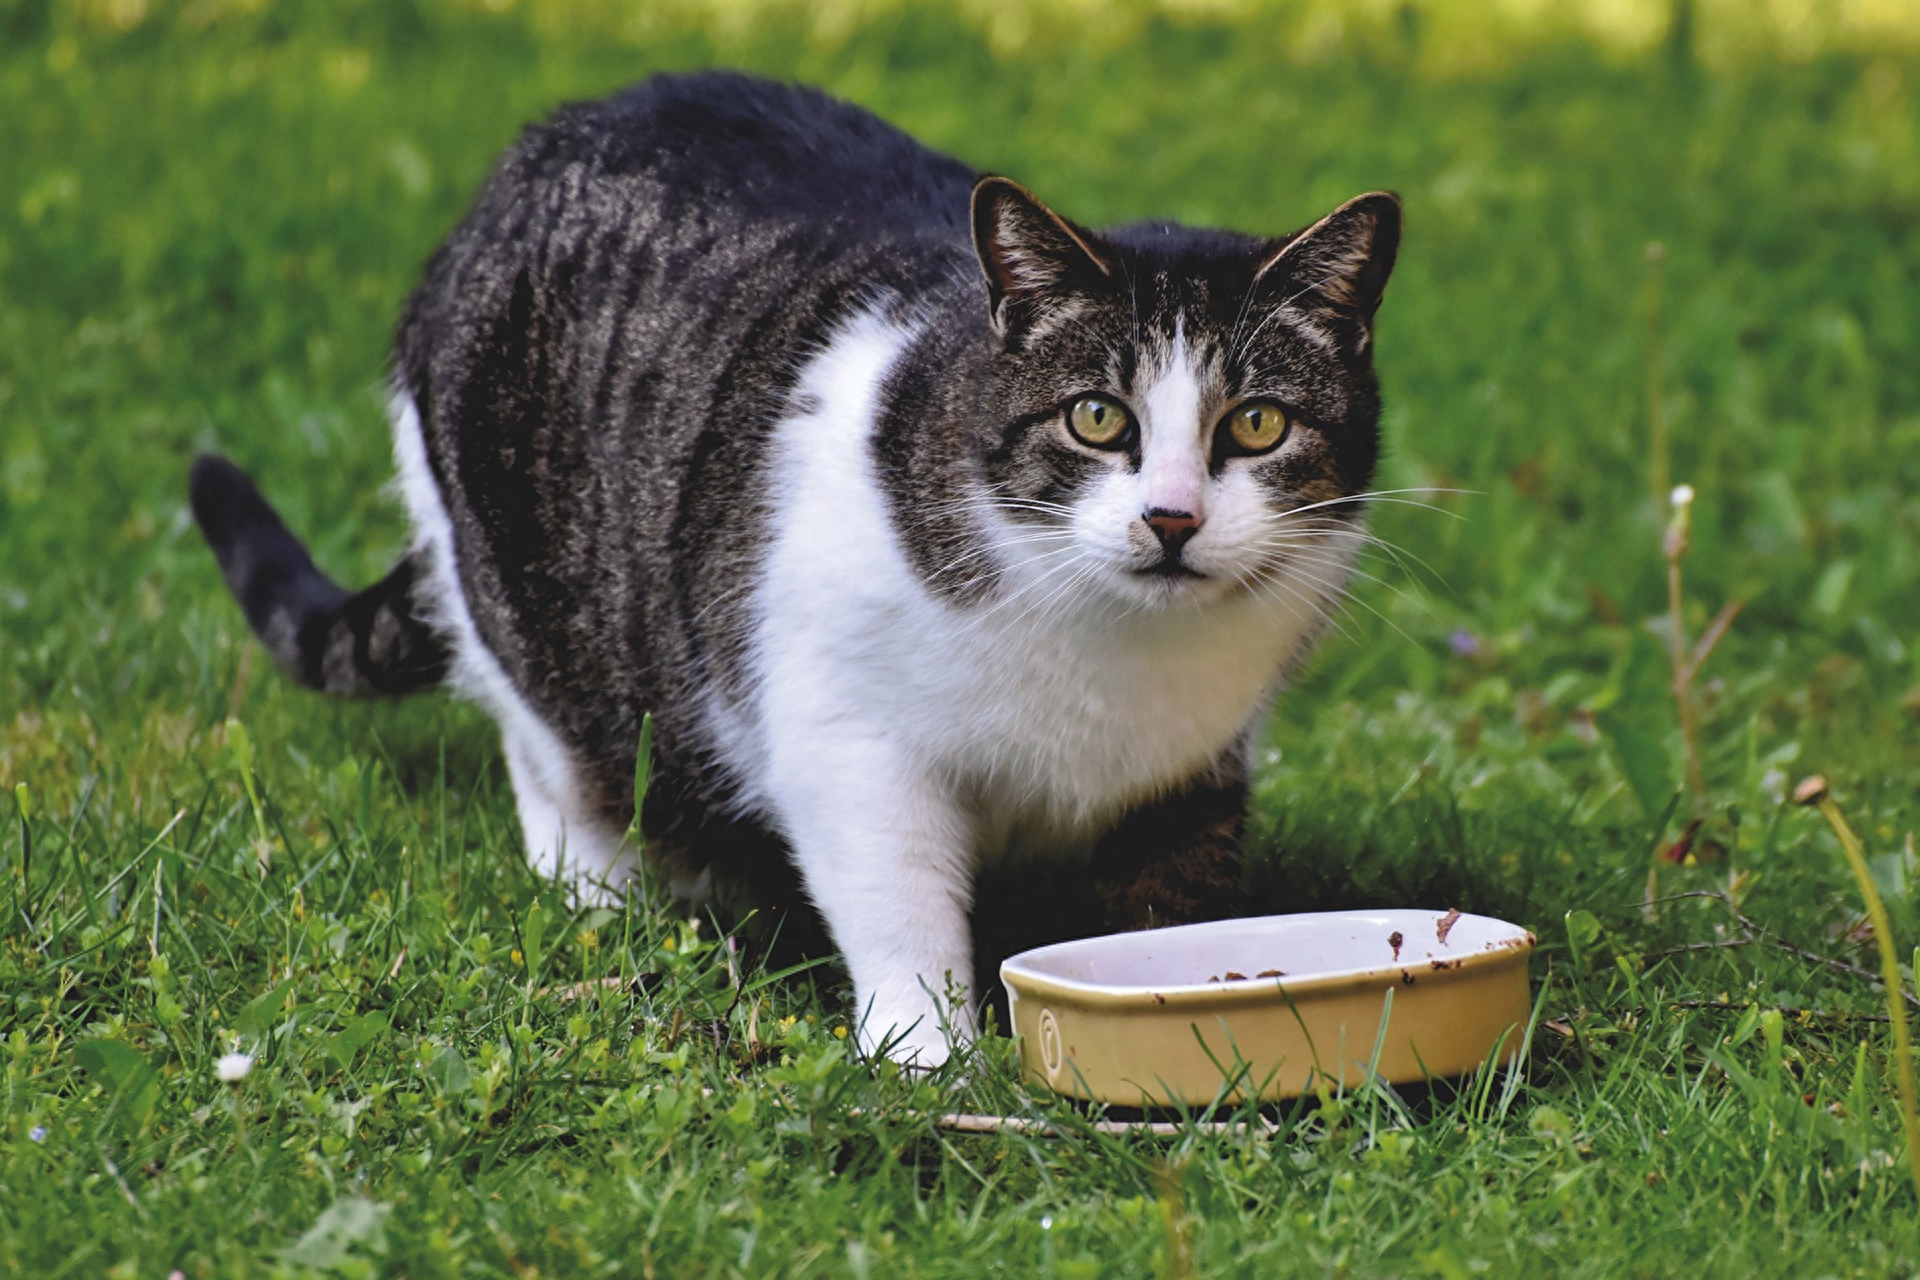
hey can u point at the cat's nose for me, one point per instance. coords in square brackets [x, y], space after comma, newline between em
[1174, 528]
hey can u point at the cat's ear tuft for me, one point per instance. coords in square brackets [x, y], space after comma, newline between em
[1034, 259]
[1339, 266]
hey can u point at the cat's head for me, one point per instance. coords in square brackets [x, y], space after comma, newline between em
[1184, 414]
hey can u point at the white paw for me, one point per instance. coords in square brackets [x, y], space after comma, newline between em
[915, 1030]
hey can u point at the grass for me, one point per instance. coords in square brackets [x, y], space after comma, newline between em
[207, 223]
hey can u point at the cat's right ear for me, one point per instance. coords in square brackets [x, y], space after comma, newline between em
[1338, 267]
[1035, 259]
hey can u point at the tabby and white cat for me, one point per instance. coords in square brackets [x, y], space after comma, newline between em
[928, 524]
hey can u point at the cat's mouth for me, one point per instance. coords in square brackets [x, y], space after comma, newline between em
[1169, 567]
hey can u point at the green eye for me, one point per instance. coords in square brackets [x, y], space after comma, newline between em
[1258, 425]
[1098, 421]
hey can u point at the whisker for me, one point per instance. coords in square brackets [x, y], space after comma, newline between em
[1239, 320]
[1317, 551]
[1373, 539]
[1273, 590]
[1081, 574]
[723, 598]
[1399, 555]
[1289, 301]
[1334, 525]
[975, 506]
[1133, 293]
[1347, 598]
[1031, 585]
[982, 552]
[1379, 495]
[1333, 562]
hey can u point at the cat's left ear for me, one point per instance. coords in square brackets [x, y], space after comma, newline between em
[1339, 266]
[1036, 261]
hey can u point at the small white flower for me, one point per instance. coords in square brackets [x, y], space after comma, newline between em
[1773, 784]
[38, 1133]
[233, 1067]
[1683, 495]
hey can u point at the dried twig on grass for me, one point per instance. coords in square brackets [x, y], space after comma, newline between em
[974, 1122]
[966, 1122]
[1686, 948]
[1741, 1006]
[1561, 1027]
[1759, 933]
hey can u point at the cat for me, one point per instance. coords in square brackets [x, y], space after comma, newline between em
[930, 526]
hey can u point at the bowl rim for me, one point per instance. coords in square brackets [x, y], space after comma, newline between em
[1020, 978]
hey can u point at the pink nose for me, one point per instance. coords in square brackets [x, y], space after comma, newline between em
[1174, 528]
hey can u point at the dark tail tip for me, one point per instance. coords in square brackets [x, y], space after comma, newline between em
[354, 645]
[227, 505]
[268, 570]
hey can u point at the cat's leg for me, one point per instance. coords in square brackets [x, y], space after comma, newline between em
[564, 839]
[886, 854]
[1177, 859]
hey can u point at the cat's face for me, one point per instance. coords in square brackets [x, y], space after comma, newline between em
[1186, 415]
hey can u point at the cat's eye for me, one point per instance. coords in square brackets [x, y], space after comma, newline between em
[1257, 426]
[1100, 422]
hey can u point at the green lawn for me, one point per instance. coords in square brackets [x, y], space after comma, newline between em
[207, 224]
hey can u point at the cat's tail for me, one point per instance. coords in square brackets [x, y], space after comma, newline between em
[374, 643]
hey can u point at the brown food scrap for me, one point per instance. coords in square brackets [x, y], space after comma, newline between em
[1446, 924]
[1214, 978]
[1441, 966]
[1394, 940]
[1271, 973]
[1231, 976]
[1406, 977]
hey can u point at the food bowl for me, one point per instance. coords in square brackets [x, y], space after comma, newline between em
[1166, 1017]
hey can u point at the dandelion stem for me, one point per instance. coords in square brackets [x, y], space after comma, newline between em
[1814, 791]
[1679, 537]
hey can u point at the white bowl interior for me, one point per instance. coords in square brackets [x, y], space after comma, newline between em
[1265, 947]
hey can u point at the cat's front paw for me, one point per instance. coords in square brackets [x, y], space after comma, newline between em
[915, 1030]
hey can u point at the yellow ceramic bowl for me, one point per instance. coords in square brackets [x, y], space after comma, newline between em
[1162, 1017]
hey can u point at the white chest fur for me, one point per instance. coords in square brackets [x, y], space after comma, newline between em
[1075, 714]
[1052, 704]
